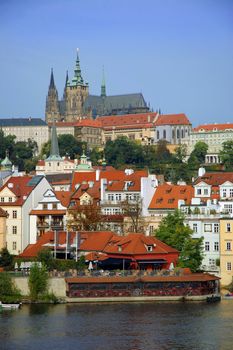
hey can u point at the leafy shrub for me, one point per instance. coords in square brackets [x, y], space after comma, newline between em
[8, 292]
[38, 281]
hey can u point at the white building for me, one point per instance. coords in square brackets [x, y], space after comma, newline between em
[214, 135]
[26, 128]
[17, 197]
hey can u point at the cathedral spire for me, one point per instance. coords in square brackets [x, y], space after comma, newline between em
[67, 79]
[52, 84]
[77, 71]
[103, 85]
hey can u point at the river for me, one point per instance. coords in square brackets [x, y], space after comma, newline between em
[118, 326]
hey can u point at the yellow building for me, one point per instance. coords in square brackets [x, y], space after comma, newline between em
[226, 250]
[3, 216]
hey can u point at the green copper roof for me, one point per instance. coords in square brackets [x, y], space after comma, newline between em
[54, 149]
[84, 165]
[6, 162]
[77, 79]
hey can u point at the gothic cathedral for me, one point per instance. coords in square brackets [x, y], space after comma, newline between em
[77, 104]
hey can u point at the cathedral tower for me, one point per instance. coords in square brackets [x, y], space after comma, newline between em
[52, 104]
[75, 94]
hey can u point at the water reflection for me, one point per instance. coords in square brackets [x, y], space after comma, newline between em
[143, 326]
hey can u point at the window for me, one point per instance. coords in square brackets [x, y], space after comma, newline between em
[45, 206]
[207, 246]
[14, 214]
[228, 246]
[10, 199]
[14, 230]
[118, 196]
[207, 227]
[14, 246]
[206, 191]
[150, 248]
[228, 266]
[54, 205]
[2, 199]
[224, 192]
[151, 229]
[198, 191]
[228, 227]
[157, 134]
[216, 246]
[216, 228]
[212, 262]
[111, 197]
[178, 133]
[164, 134]
[231, 192]
[195, 228]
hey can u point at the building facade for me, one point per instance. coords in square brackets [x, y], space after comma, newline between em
[26, 128]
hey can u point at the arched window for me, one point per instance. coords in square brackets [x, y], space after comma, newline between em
[164, 134]
[173, 134]
[157, 134]
[178, 133]
[182, 133]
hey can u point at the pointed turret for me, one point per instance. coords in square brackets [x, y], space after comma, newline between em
[54, 148]
[52, 84]
[67, 79]
[103, 85]
[6, 163]
[52, 105]
[78, 79]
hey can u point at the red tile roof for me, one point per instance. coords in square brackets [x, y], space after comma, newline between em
[111, 175]
[214, 127]
[167, 196]
[136, 244]
[63, 197]
[128, 120]
[173, 119]
[19, 186]
[215, 179]
[83, 122]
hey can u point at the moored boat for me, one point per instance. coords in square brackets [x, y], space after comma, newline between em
[13, 306]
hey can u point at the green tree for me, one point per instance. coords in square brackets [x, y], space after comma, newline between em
[175, 233]
[8, 292]
[6, 259]
[38, 281]
[198, 154]
[226, 155]
[68, 145]
[46, 258]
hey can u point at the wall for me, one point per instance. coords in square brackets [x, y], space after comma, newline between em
[56, 285]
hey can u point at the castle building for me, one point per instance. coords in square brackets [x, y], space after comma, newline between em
[77, 104]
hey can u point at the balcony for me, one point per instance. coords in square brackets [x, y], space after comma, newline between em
[42, 224]
[59, 225]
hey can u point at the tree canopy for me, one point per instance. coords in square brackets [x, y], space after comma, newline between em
[175, 233]
[226, 155]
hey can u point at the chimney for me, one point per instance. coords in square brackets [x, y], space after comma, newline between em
[201, 172]
[97, 175]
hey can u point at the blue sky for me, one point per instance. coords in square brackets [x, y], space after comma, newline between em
[178, 53]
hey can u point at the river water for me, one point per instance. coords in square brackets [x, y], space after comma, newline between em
[118, 326]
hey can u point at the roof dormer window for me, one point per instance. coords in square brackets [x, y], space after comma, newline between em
[150, 248]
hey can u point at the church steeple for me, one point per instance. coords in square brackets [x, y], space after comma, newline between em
[54, 148]
[103, 85]
[67, 79]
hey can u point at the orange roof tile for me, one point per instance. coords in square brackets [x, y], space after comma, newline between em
[215, 179]
[213, 127]
[63, 197]
[136, 244]
[167, 196]
[19, 186]
[175, 119]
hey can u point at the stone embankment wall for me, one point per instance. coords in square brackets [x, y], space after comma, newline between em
[56, 286]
